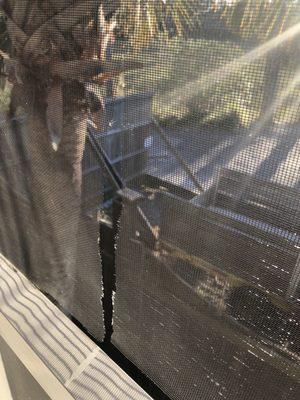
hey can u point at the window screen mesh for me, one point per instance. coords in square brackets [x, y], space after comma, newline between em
[150, 182]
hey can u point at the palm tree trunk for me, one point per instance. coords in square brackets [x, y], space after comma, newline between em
[55, 184]
[71, 147]
[56, 47]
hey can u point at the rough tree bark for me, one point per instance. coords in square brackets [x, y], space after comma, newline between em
[54, 187]
[53, 54]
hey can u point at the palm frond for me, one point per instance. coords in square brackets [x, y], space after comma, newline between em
[260, 19]
[141, 20]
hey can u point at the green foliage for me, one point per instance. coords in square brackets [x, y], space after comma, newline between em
[180, 74]
[4, 45]
[4, 98]
[4, 42]
[180, 71]
[186, 77]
